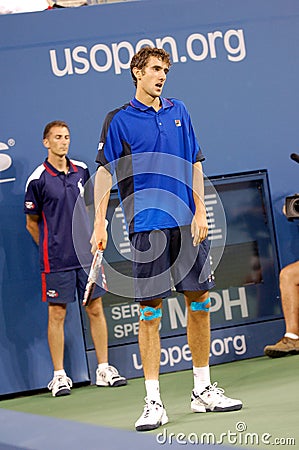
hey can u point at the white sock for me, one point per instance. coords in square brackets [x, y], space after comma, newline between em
[292, 335]
[202, 378]
[103, 366]
[58, 373]
[153, 390]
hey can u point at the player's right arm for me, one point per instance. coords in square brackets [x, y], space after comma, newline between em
[32, 226]
[110, 149]
[102, 188]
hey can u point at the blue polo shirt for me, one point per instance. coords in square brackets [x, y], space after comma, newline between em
[153, 153]
[54, 196]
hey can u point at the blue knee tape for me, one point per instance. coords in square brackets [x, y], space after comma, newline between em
[154, 313]
[201, 306]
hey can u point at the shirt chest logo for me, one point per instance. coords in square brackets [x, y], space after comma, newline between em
[177, 123]
[80, 187]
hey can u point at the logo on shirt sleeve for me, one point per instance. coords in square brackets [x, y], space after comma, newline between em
[29, 205]
[177, 123]
[101, 145]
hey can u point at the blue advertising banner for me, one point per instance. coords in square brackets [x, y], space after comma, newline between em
[227, 344]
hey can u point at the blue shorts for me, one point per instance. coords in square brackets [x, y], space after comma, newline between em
[163, 259]
[61, 287]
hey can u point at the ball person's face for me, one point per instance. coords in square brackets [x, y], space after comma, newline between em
[58, 141]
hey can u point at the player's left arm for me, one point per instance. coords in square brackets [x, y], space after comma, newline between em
[199, 225]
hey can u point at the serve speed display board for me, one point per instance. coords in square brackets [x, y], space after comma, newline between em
[243, 258]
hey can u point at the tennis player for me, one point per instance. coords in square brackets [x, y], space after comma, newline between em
[51, 195]
[151, 144]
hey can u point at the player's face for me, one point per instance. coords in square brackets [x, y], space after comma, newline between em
[151, 80]
[58, 141]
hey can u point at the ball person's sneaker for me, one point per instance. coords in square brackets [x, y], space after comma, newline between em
[286, 346]
[60, 385]
[153, 416]
[109, 377]
[213, 400]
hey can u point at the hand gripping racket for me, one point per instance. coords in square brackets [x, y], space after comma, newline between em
[93, 275]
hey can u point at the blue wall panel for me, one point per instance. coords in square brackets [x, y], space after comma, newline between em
[227, 344]
[235, 66]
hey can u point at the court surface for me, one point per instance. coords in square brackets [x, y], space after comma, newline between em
[93, 417]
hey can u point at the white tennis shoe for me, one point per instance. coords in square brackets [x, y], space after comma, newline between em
[60, 385]
[109, 377]
[153, 416]
[212, 399]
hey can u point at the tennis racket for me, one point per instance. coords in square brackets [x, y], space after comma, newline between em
[93, 275]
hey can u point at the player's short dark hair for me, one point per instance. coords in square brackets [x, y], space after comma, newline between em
[54, 123]
[141, 58]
